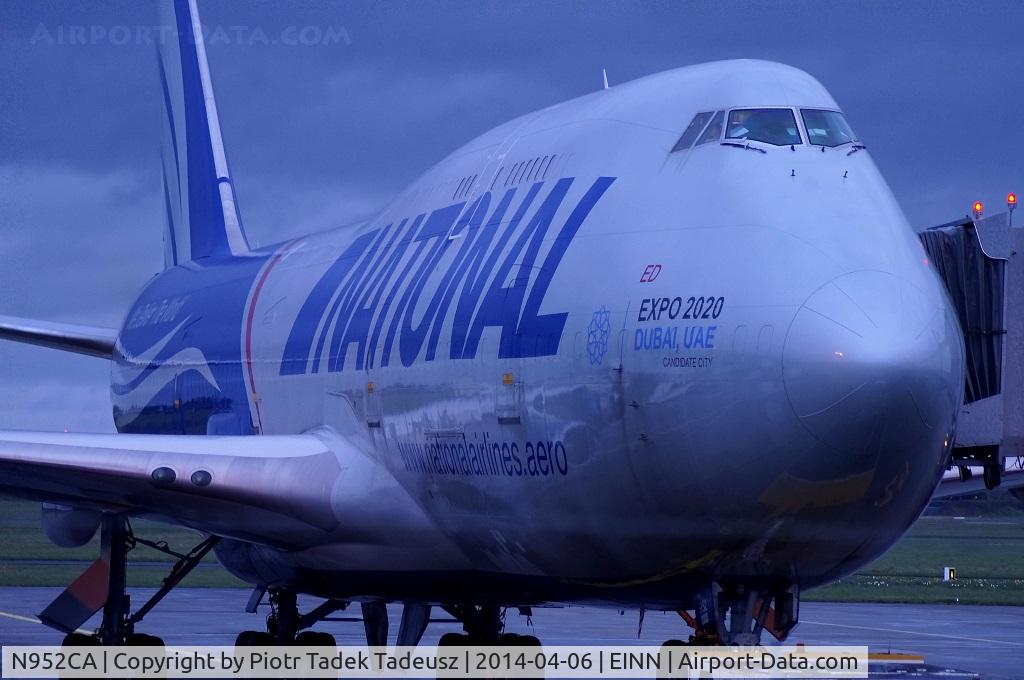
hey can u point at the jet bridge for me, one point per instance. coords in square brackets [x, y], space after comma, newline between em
[981, 261]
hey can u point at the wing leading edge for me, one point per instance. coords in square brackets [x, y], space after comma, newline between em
[274, 490]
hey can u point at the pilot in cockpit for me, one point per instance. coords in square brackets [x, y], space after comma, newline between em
[773, 126]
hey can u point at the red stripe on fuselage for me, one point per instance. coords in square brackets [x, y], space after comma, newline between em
[248, 326]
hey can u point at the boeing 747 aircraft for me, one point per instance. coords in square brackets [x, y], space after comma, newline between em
[668, 346]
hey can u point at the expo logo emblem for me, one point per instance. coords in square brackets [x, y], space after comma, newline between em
[651, 272]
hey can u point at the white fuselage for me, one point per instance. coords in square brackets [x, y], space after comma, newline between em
[580, 366]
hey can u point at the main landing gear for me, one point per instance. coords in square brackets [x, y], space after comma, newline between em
[286, 626]
[484, 625]
[103, 585]
[735, 614]
[724, 613]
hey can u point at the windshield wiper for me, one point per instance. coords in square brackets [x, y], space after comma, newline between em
[743, 146]
[857, 146]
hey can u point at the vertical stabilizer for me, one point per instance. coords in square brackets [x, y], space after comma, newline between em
[199, 197]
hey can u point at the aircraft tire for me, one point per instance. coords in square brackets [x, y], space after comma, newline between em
[254, 638]
[670, 643]
[453, 640]
[143, 640]
[79, 640]
[315, 638]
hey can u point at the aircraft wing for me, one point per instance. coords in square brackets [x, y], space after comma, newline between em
[274, 490]
[90, 340]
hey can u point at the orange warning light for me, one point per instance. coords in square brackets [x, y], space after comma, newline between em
[1011, 199]
[978, 207]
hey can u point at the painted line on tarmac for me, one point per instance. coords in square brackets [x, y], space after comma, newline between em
[876, 629]
[19, 617]
[32, 619]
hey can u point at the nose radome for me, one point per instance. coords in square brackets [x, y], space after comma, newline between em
[869, 358]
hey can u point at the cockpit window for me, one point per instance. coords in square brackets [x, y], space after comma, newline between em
[772, 126]
[713, 132]
[692, 130]
[827, 128]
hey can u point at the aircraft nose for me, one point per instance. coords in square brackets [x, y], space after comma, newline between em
[871, 362]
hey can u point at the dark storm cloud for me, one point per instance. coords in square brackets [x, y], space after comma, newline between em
[325, 132]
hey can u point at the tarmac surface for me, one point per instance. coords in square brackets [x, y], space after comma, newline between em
[987, 641]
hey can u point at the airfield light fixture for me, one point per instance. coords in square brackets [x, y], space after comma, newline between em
[978, 208]
[1011, 201]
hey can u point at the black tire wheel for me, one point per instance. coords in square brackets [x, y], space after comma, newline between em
[243, 638]
[80, 640]
[529, 641]
[664, 673]
[453, 640]
[315, 638]
[254, 638]
[143, 640]
[510, 639]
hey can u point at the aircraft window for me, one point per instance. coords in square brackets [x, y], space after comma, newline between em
[827, 128]
[713, 132]
[773, 126]
[692, 130]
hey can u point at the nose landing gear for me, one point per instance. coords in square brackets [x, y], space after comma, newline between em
[734, 614]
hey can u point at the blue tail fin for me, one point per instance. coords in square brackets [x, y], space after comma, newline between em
[202, 215]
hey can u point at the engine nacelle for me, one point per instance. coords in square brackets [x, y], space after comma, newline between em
[69, 527]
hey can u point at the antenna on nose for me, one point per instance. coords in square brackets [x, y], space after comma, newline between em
[604, 74]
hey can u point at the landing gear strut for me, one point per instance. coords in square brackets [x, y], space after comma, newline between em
[484, 625]
[286, 626]
[283, 623]
[77, 603]
[116, 628]
[733, 614]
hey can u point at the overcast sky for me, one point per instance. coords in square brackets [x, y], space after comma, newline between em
[330, 108]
